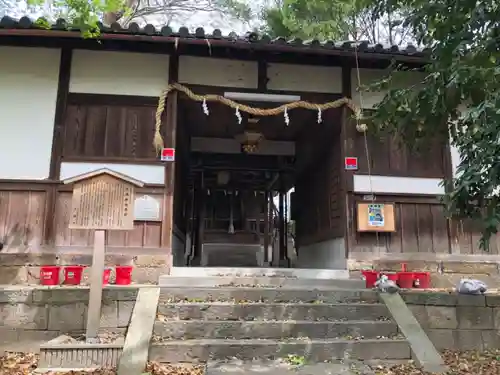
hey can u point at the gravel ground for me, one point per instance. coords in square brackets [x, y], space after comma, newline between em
[460, 363]
[26, 363]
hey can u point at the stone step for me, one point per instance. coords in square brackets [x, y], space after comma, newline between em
[261, 281]
[196, 329]
[259, 294]
[312, 350]
[272, 311]
[306, 273]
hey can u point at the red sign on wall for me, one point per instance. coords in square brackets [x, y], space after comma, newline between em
[168, 154]
[351, 164]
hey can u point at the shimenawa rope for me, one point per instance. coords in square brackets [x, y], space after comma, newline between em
[158, 139]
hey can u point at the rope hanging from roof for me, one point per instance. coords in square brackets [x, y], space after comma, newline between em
[284, 108]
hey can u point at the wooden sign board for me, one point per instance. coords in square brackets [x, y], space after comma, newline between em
[103, 200]
[376, 217]
[147, 208]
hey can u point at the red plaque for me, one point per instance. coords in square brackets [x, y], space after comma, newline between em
[168, 154]
[351, 164]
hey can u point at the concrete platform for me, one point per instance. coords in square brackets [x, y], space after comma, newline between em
[257, 281]
[306, 273]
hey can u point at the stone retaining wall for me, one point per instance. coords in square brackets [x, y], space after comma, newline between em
[16, 268]
[444, 272]
[32, 315]
[457, 321]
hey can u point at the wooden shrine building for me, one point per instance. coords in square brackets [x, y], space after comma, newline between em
[71, 106]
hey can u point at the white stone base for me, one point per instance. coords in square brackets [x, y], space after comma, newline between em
[304, 273]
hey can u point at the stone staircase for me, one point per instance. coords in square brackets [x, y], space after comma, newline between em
[318, 320]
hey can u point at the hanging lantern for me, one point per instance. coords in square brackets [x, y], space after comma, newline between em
[250, 141]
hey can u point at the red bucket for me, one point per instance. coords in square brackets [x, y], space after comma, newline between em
[405, 279]
[49, 275]
[422, 280]
[105, 276]
[123, 275]
[73, 275]
[371, 278]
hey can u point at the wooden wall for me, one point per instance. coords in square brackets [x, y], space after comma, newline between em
[100, 126]
[318, 193]
[96, 128]
[22, 216]
[388, 157]
[23, 223]
[421, 226]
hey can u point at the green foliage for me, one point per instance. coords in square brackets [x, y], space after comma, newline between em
[84, 14]
[318, 19]
[460, 95]
[237, 9]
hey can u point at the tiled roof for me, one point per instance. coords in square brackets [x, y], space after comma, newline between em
[249, 39]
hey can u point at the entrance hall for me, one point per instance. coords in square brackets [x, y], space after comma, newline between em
[254, 191]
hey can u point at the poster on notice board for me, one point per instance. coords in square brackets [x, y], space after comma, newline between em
[376, 215]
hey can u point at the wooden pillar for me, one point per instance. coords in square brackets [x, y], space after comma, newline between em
[190, 221]
[200, 222]
[282, 222]
[266, 226]
[168, 205]
[170, 138]
[57, 145]
[347, 143]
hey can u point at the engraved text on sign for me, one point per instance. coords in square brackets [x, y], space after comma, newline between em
[102, 202]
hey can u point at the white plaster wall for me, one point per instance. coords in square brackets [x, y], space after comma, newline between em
[455, 155]
[367, 99]
[305, 78]
[28, 92]
[455, 159]
[149, 174]
[118, 73]
[218, 72]
[328, 254]
[397, 185]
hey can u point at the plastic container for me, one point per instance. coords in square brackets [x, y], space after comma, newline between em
[406, 279]
[105, 276]
[73, 275]
[422, 280]
[370, 277]
[49, 275]
[123, 275]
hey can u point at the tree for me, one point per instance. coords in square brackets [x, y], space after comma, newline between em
[458, 98]
[87, 13]
[337, 19]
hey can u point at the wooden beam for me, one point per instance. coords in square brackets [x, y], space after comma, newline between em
[57, 143]
[262, 77]
[232, 146]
